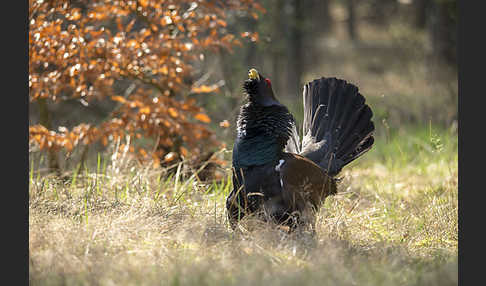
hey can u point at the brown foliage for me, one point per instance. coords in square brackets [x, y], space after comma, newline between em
[79, 49]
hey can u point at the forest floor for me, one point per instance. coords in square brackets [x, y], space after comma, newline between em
[394, 221]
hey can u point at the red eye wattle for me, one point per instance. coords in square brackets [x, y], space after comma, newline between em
[268, 82]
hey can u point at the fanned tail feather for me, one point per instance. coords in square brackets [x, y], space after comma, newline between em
[337, 125]
[293, 144]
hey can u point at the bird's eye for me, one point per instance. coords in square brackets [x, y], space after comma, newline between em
[268, 82]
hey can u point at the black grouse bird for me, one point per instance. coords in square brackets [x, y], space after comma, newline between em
[280, 177]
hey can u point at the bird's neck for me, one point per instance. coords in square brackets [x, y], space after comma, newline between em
[262, 134]
[265, 101]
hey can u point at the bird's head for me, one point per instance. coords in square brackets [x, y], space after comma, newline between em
[259, 89]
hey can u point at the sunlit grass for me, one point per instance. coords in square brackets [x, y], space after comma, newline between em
[393, 222]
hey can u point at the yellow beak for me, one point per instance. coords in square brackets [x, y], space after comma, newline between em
[253, 74]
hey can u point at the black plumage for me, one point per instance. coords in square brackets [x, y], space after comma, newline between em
[280, 177]
[263, 132]
[337, 124]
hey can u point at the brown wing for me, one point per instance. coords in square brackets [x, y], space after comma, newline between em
[304, 182]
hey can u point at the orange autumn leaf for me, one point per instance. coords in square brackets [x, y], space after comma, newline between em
[173, 112]
[170, 157]
[225, 124]
[145, 110]
[183, 151]
[133, 44]
[164, 70]
[219, 162]
[119, 98]
[221, 22]
[202, 117]
[205, 89]
[156, 161]
[68, 145]
[142, 152]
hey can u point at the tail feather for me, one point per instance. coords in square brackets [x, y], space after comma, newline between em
[361, 129]
[363, 148]
[293, 143]
[337, 124]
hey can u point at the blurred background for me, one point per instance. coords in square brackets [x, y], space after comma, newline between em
[400, 53]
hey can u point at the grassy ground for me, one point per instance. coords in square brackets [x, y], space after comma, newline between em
[393, 222]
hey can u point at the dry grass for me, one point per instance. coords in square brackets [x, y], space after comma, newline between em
[394, 222]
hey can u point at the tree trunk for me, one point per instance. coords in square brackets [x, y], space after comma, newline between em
[321, 21]
[296, 57]
[443, 32]
[351, 20]
[316, 25]
[325, 11]
[421, 13]
[278, 46]
[45, 121]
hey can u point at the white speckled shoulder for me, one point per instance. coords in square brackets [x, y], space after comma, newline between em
[280, 163]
